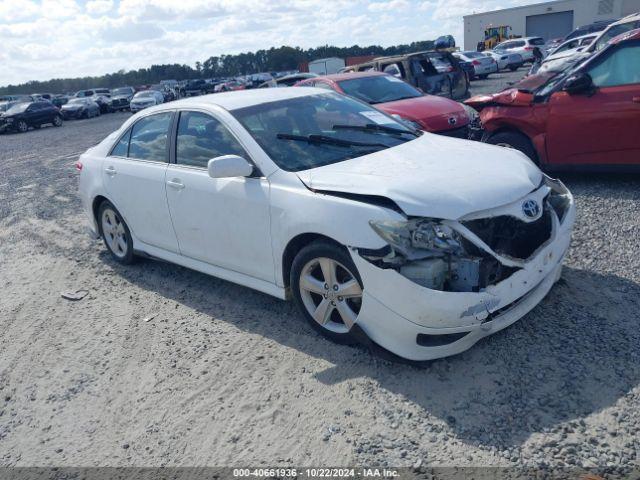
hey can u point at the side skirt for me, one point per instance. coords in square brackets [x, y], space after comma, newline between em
[206, 268]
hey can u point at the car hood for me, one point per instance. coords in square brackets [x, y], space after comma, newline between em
[433, 176]
[511, 97]
[432, 112]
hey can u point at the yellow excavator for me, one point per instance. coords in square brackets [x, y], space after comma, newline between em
[494, 35]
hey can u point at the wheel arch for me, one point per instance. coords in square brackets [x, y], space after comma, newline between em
[294, 246]
[517, 131]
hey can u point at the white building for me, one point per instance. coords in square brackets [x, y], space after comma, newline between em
[547, 20]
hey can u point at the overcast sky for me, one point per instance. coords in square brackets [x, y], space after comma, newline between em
[68, 38]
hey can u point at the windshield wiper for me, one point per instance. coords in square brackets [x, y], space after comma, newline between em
[339, 142]
[372, 127]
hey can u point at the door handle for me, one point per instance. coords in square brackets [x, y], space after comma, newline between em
[110, 171]
[177, 184]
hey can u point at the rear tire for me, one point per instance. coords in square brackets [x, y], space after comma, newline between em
[327, 289]
[483, 77]
[514, 140]
[22, 126]
[57, 121]
[513, 68]
[115, 233]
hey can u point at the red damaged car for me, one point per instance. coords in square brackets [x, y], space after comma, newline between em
[585, 116]
[394, 96]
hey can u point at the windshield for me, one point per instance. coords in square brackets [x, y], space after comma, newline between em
[313, 131]
[379, 89]
[557, 71]
[6, 106]
[77, 100]
[145, 94]
[548, 75]
[19, 108]
[614, 31]
[121, 91]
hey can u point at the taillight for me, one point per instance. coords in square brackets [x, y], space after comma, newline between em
[79, 166]
[476, 62]
[528, 49]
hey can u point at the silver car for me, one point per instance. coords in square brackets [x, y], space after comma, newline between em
[482, 65]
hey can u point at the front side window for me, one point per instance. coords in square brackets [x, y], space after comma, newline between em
[622, 67]
[379, 89]
[316, 130]
[149, 138]
[201, 138]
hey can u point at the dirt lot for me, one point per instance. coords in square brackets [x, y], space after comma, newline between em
[159, 365]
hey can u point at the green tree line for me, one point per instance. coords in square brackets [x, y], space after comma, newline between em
[271, 60]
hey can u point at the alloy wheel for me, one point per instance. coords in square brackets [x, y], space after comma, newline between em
[331, 294]
[114, 233]
[57, 121]
[22, 126]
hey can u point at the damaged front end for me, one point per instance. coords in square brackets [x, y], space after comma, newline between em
[474, 252]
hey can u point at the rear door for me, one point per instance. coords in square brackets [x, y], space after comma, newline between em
[134, 176]
[603, 128]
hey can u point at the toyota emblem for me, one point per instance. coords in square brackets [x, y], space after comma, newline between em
[531, 208]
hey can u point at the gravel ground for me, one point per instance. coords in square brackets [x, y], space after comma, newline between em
[159, 365]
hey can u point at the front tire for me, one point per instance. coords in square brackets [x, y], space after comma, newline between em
[514, 140]
[22, 126]
[57, 121]
[513, 68]
[327, 288]
[115, 234]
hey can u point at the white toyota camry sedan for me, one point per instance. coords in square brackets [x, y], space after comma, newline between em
[419, 243]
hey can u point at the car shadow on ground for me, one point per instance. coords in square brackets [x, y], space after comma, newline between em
[575, 354]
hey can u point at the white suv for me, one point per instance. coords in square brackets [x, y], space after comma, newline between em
[523, 46]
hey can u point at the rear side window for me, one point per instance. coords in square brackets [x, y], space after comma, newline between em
[536, 41]
[149, 138]
[121, 148]
[201, 138]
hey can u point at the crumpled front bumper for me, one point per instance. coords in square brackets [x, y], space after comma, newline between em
[396, 310]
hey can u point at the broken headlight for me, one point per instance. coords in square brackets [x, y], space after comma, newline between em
[418, 238]
[559, 198]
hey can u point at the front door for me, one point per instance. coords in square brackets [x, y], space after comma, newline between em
[600, 128]
[134, 176]
[221, 221]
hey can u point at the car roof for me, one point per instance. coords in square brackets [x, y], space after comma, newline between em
[338, 77]
[246, 98]
[581, 37]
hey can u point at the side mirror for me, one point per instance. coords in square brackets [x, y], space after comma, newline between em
[228, 166]
[578, 83]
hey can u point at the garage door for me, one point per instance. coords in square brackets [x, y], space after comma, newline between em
[550, 25]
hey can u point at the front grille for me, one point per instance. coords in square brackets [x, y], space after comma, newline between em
[507, 235]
